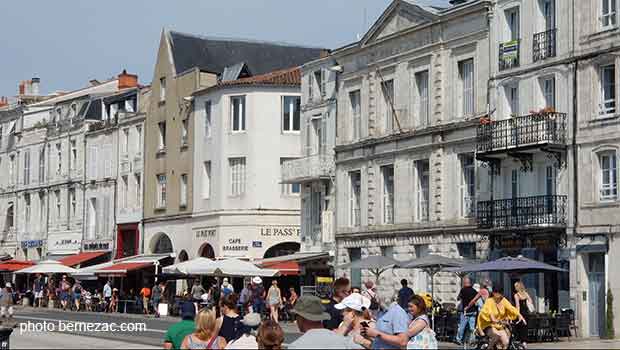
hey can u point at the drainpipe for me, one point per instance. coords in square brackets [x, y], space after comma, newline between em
[117, 162]
[84, 185]
[575, 152]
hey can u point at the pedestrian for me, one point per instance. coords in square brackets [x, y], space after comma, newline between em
[156, 294]
[467, 309]
[6, 301]
[258, 295]
[245, 296]
[482, 295]
[525, 306]
[496, 310]
[145, 293]
[356, 315]
[404, 294]
[270, 336]
[197, 291]
[341, 290]
[88, 300]
[77, 295]
[371, 293]
[247, 340]
[290, 303]
[229, 323]
[227, 288]
[394, 321]
[274, 297]
[65, 288]
[205, 336]
[114, 301]
[107, 294]
[417, 335]
[177, 332]
[309, 316]
[39, 288]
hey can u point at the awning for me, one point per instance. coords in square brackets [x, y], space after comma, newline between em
[77, 259]
[121, 269]
[286, 268]
[14, 265]
[289, 265]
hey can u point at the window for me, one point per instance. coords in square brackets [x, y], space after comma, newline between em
[291, 113]
[609, 177]
[237, 104]
[548, 87]
[93, 164]
[512, 96]
[184, 132]
[514, 183]
[42, 164]
[387, 88]
[512, 19]
[387, 251]
[124, 192]
[72, 203]
[608, 13]
[319, 139]
[12, 170]
[206, 180]
[139, 139]
[58, 204]
[356, 114]
[466, 79]
[10, 216]
[467, 250]
[27, 211]
[161, 191]
[162, 89]
[183, 201]
[42, 208]
[310, 88]
[354, 198]
[58, 158]
[125, 144]
[237, 176]
[92, 218]
[608, 90]
[548, 10]
[208, 109]
[468, 186]
[138, 181]
[74, 162]
[421, 81]
[423, 190]
[162, 135]
[289, 189]
[319, 77]
[355, 254]
[26, 167]
[387, 175]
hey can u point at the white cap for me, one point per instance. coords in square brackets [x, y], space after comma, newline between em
[8, 284]
[225, 280]
[355, 302]
[257, 280]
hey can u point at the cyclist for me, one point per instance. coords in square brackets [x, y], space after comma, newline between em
[492, 319]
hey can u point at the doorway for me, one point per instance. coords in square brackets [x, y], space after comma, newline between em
[596, 293]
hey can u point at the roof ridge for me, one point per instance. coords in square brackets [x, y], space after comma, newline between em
[244, 40]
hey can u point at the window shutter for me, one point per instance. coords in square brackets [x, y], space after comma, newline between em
[108, 160]
[323, 144]
[308, 137]
[87, 222]
[106, 216]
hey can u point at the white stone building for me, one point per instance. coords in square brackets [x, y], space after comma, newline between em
[410, 95]
[245, 129]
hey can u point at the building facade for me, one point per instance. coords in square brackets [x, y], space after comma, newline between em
[409, 98]
[181, 69]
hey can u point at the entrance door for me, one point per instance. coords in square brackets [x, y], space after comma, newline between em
[596, 293]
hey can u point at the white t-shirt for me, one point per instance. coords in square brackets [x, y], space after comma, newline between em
[245, 342]
[323, 339]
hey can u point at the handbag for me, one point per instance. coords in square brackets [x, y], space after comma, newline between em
[426, 339]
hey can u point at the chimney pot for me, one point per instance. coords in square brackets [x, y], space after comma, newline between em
[22, 88]
[126, 80]
[35, 85]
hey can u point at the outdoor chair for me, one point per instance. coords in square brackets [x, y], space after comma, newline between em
[533, 329]
[563, 325]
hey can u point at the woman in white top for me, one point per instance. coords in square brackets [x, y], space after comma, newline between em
[274, 298]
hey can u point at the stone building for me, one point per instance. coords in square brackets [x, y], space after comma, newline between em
[410, 96]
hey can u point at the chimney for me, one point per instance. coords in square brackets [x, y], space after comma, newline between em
[4, 101]
[35, 84]
[22, 87]
[126, 80]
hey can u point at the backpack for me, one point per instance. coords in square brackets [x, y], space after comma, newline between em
[374, 302]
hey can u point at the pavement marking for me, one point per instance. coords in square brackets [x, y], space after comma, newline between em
[56, 320]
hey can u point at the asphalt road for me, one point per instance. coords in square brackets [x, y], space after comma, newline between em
[151, 333]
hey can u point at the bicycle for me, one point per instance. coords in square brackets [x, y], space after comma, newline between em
[482, 342]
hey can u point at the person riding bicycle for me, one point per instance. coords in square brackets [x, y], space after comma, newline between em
[492, 319]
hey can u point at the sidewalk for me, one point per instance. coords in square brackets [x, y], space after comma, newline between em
[67, 341]
[25, 310]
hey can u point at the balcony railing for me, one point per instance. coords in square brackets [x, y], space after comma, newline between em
[534, 129]
[509, 55]
[308, 168]
[544, 44]
[538, 211]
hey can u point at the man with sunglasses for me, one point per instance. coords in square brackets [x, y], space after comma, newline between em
[342, 288]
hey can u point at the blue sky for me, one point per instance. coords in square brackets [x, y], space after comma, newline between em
[68, 42]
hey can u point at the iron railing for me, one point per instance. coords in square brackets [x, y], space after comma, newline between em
[535, 211]
[308, 168]
[528, 130]
[544, 44]
[509, 55]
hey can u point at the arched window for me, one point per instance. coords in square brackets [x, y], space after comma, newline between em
[162, 244]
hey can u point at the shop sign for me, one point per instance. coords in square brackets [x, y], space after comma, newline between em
[257, 244]
[96, 246]
[66, 244]
[235, 245]
[205, 233]
[32, 244]
[280, 231]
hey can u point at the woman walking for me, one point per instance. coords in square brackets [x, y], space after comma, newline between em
[524, 305]
[230, 323]
[205, 336]
[274, 296]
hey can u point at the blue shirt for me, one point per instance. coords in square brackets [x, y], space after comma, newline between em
[394, 321]
[404, 295]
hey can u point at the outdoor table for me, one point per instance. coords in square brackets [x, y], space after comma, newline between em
[124, 305]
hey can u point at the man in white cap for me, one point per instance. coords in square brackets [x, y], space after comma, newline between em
[258, 295]
[227, 288]
[6, 301]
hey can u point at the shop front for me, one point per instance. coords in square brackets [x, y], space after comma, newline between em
[127, 240]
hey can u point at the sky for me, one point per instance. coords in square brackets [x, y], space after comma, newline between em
[66, 43]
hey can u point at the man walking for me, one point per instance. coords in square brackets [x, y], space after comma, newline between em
[178, 331]
[145, 293]
[342, 287]
[38, 287]
[394, 321]
[156, 293]
[467, 311]
[404, 294]
[309, 315]
[6, 301]
[107, 294]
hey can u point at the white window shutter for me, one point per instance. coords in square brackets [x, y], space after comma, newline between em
[106, 216]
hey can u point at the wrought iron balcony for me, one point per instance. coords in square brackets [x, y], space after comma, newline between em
[308, 168]
[509, 55]
[544, 44]
[538, 211]
[534, 130]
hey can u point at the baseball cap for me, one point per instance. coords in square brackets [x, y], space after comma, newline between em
[257, 280]
[188, 311]
[354, 301]
[310, 308]
[8, 284]
[251, 320]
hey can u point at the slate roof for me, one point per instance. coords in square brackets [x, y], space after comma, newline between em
[215, 54]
